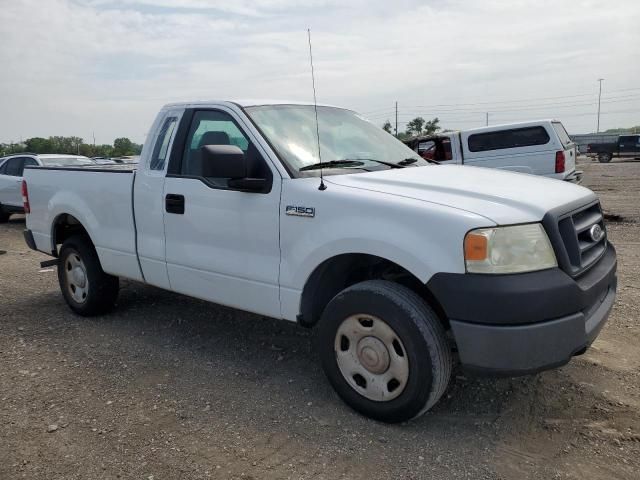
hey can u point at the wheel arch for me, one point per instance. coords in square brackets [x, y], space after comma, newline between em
[344, 270]
[66, 225]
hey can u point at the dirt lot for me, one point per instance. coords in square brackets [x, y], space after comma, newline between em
[167, 387]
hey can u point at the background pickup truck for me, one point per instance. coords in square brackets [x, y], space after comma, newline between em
[540, 147]
[395, 262]
[626, 146]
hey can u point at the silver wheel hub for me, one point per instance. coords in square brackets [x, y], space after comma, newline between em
[371, 357]
[76, 276]
[79, 277]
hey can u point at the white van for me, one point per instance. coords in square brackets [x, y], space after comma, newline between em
[540, 148]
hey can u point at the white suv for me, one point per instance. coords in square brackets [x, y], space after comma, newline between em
[540, 147]
[11, 168]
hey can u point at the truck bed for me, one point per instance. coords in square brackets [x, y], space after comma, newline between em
[101, 195]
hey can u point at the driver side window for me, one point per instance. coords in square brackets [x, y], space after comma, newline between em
[213, 127]
[210, 128]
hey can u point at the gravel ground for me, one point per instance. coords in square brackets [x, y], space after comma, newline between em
[168, 387]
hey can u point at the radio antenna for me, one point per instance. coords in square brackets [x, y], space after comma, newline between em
[315, 106]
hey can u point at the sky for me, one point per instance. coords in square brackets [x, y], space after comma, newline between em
[105, 67]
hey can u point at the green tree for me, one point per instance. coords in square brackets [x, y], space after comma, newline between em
[103, 150]
[11, 148]
[72, 146]
[420, 126]
[123, 146]
[387, 126]
[414, 127]
[431, 127]
[68, 145]
[38, 145]
[633, 130]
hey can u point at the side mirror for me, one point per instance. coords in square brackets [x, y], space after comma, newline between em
[223, 161]
[228, 161]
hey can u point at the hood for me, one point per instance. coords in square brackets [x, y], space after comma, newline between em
[503, 197]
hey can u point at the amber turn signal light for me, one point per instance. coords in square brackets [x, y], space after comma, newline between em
[475, 247]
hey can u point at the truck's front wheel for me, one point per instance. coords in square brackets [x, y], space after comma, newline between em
[87, 289]
[384, 351]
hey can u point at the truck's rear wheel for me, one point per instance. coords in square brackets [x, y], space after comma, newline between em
[604, 157]
[4, 216]
[87, 289]
[384, 351]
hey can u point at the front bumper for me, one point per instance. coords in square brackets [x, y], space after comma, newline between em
[525, 323]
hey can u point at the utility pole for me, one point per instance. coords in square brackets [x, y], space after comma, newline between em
[599, 95]
[487, 119]
[396, 119]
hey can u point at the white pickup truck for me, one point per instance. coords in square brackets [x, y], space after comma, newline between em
[540, 147]
[396, 263]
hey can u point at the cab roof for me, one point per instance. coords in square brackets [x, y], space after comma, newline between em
[245, 103]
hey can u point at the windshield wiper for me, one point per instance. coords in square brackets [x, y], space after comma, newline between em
[388, 164]
[332, 164]
[401, 164]
[407, 161]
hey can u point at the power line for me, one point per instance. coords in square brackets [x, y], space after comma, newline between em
[413, 110]
[481, 118]
[508, 101]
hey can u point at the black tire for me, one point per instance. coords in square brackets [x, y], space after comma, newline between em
[420, 332]
[4, 216]
[604, 157]
[101, 288]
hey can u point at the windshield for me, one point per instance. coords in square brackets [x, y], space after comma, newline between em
[63, 161]
[291, 130]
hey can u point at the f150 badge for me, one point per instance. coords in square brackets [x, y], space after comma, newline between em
[299, 211]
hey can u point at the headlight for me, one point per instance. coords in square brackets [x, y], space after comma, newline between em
[518, 248]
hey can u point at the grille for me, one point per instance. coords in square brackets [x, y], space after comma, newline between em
[575, 229]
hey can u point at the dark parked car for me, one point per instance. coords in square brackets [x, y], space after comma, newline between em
[626, 146]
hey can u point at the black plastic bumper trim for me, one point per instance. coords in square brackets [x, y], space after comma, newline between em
[28, 238]
[525, 349]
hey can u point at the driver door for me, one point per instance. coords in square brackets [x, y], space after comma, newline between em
[222, 244]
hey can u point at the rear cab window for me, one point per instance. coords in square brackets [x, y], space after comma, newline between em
[161, 147]
[512, 138]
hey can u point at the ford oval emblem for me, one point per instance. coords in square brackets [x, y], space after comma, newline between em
[596, 232]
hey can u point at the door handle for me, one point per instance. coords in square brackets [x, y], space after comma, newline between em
[174, 203]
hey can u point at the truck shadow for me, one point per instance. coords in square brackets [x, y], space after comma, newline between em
[243, 351]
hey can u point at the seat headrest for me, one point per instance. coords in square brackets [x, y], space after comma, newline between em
[214, 138]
